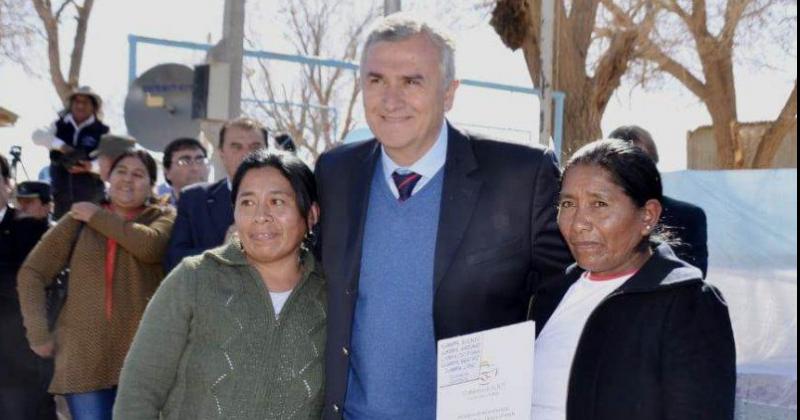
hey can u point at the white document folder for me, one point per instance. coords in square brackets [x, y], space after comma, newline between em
[487, 375]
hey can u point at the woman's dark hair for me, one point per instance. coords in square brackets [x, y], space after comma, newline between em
[147, 160]
[293, 169]
[630, 168]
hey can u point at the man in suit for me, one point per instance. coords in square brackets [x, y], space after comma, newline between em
[685, 220]
[205, 213]
[427, 232]
[34, 199]
[185, 163]
[24, 376]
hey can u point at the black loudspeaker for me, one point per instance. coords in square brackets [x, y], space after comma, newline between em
[200, 86]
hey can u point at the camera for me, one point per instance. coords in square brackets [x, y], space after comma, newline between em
[16, 152]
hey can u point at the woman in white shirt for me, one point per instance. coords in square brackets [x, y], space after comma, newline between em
[634, 332]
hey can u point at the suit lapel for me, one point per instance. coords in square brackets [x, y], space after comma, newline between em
[361, 180]
[219, 204]
[459, 197]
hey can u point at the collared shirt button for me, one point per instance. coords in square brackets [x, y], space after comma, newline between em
[335, 408]
[345, 351]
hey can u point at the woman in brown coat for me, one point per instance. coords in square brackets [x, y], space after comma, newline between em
[114, 269]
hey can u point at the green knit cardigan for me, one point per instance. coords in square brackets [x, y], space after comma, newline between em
[209, 346]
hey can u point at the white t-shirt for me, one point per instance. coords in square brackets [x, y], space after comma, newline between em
[556, 345]
[278, 300]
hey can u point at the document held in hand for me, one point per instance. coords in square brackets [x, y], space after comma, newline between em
[487, 375]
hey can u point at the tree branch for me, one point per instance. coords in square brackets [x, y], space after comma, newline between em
[581, 22]
[62, 7]
[734, 12]
[773, 138]
[43, 9]
[76, 58]
[612, 66]
[675, 69]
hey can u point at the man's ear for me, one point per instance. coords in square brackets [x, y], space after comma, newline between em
[313, 216]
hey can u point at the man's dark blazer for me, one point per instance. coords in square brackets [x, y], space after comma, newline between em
[497, 239]
[204, 215]
[19, 366]
[688, 223]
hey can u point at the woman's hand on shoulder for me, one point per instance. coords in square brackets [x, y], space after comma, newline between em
[83, 211]
[45, 350]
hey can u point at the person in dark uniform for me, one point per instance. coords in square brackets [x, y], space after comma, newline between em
[33, 199]
[684, 220]
[24, 376]
[71, 138]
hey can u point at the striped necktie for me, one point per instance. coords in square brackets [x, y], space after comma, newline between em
[405, 183]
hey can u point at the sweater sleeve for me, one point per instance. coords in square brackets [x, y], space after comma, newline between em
[147, 243]
[46, 259]
[698, 357]
[151, 367]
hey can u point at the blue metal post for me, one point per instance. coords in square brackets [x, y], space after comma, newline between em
[132, 41]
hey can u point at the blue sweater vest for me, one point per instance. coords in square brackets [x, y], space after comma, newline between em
[393, 347]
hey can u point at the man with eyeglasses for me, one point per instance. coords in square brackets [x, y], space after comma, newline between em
[205, 214]
[185, 163]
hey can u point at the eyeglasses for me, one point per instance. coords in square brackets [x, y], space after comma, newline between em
[189, 161]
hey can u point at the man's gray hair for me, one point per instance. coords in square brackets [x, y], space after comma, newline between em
[401, 26]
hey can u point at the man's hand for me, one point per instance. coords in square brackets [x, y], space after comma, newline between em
[45, 350]
[80, 167]
[66, 149]
[83, 211]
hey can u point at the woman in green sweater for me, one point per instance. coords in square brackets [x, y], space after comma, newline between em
[239, 331]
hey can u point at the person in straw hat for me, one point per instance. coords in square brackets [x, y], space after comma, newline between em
[71, 138]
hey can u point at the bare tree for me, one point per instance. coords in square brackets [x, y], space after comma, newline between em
[308, 107]
[592, 55]
[51, 19]
[16, 30]
[695, 42]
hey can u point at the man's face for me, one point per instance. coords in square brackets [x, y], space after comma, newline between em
[189, 166]
[81, 107]
[238, 143]
[405, 97]
[33, 207]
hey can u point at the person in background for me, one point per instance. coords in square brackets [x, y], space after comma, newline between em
[185, 163]
[426, 232]
[71, 138]
[284, 142]
[634, 332]
[110, 148]
[210, 312]
[205, 214]
[24, 376]
[33, 199]
[685, 220]
[114, 270]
